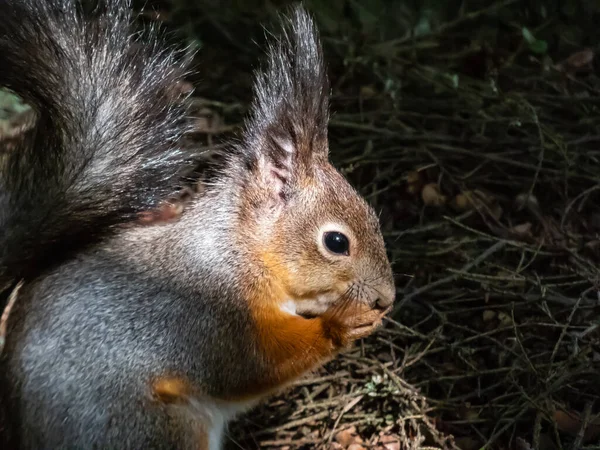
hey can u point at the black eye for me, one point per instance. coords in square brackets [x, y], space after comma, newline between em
[336, 243]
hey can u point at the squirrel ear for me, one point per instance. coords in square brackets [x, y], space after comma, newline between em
[286, 133]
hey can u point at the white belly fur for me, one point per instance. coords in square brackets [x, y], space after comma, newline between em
[215, 415]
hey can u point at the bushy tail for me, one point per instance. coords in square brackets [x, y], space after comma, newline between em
[106, 143]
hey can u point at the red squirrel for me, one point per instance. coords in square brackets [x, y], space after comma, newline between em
[155, 336]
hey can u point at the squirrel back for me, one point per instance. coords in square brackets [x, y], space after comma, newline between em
[106, 143]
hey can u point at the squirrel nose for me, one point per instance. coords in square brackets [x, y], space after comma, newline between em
[386, 298]
[384, 302]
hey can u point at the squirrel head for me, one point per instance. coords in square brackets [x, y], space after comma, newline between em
[318, 241]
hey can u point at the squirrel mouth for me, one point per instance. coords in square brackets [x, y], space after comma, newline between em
[307, 308]
[309, 315]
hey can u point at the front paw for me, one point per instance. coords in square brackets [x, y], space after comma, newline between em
[346, 323]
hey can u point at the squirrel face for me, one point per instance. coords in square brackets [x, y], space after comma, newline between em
[318, 240]
[325, 246]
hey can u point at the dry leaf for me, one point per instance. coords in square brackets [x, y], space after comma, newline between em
[184, 87]
[479, 201]
[413, 177]
[580, 59]
[461, 202]
[504, 319]
[389, 442]
[368, 91]
[523, 229]
[571, 422]
[522, 444]
[576, 61]
[348, 437]
[496, 212]
[526, 200]
[468, 413]
[489, 315]
[356, 447]
[432, 196]
[167, 212]
[414, 182]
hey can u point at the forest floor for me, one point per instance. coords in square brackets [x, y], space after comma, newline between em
[474, 127]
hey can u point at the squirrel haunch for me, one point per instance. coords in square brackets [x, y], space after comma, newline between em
[171, 389]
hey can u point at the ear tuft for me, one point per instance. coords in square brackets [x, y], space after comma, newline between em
[287, 127]
[277, 166]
